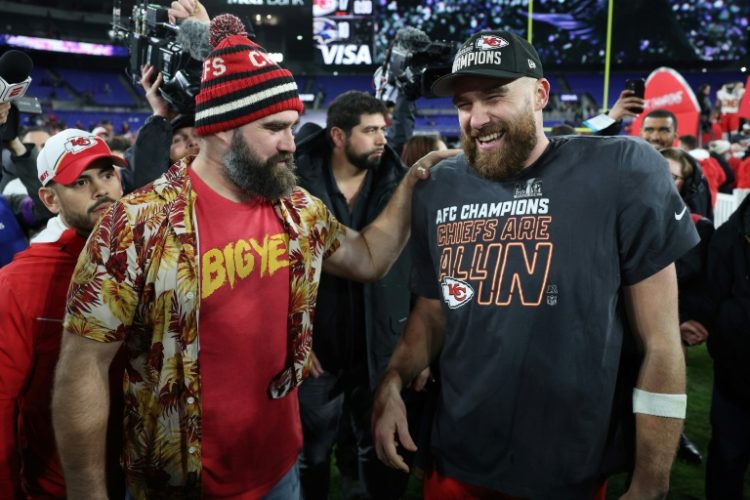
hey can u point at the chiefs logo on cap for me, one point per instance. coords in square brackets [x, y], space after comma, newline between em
[77, 144]
[456, 292]
[490, 42]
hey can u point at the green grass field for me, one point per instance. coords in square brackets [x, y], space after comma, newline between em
[687, 481]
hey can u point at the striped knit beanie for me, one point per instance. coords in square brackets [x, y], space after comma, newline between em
[240, 82]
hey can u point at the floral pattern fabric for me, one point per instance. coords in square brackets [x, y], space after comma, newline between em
[137, 281]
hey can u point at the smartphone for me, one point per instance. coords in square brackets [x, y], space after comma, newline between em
[638, 86]
[28, 105]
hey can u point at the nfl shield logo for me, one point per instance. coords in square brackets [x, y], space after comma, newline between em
[551, 300]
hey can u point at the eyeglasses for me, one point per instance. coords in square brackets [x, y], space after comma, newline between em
[676, 177]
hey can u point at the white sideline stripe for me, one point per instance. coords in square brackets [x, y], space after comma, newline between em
[245, 101]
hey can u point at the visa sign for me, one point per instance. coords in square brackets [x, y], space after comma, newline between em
[347, 55]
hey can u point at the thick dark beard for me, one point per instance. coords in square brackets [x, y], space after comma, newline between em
[363, 161]
[82, 223]
[255, 177]
[506, 161]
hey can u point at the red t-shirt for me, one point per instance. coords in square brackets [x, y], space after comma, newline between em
[249, 441]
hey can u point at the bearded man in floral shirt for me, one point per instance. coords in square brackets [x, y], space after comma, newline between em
[209, 277]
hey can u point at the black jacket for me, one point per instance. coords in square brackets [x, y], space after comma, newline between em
[728, 314]
[730, 180]
[148, 158]
[695, 192]
[691, 271]
[386, 302]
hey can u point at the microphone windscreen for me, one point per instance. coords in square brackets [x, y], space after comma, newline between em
[15, 66]
[193, 36]
[411, 39]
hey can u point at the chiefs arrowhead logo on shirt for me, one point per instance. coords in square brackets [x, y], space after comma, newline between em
[456, 292]
[490, 42]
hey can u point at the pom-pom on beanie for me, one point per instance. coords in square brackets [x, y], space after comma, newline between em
[240, 82]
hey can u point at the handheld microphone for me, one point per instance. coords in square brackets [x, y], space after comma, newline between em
[15, 75]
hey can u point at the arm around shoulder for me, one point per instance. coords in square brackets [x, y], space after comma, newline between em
[369, 254]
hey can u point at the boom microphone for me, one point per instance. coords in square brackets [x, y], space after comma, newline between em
[15, 75]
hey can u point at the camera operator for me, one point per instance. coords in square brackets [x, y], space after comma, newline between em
[167, 136]
[412, 61]
[610, 122]
[402, 110]
[29, 211]
[12, 239]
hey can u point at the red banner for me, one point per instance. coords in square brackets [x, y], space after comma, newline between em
[667, 89]
[745, 102]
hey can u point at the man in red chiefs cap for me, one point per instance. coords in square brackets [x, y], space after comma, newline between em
[77, 172]
[210, 279]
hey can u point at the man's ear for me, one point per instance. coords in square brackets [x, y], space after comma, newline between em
[338, 136]
[541, 94]
[48, 195]
[225, 136]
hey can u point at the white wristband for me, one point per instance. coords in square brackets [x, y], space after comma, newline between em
[660, 405]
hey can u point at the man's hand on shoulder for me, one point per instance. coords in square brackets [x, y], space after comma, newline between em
[421, 169]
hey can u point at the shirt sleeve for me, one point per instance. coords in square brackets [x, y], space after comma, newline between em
[103, 295]
[424, 282]
[16, 361]
[332, 231]
[654, 226]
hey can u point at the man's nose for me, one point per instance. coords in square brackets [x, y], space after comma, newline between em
[479, 116]
[100, 187]
[286, 143]
[380, 137]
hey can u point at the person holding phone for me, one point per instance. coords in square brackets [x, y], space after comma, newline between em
[629, 104]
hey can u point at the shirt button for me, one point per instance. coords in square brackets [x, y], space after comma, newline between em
[190, 400]
[191, 450]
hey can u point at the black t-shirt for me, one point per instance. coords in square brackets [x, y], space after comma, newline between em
[530, 272]
[339, 340]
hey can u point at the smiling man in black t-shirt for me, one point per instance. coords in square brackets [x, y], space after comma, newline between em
[529, 255]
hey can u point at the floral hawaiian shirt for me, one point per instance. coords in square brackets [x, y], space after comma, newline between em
[137, 281]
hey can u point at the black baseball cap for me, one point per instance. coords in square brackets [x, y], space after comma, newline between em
[182, 121]
[491, 54]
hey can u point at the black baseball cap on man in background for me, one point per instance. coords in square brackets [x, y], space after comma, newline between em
[491, 54]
